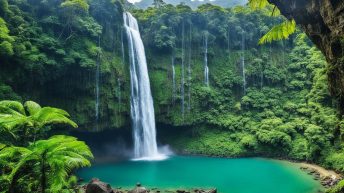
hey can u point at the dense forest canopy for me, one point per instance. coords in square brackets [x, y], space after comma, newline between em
[267, 100]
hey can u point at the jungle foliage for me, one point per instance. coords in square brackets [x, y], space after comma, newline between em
[49, 52]
[28, 163]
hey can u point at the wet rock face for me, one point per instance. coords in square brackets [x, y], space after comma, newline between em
[97, 186]
[323, 22]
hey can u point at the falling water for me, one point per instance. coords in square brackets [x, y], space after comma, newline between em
[122, 47]
[97, 86]
[119, 93]
[173, 81]
[228, 42]
[189, 70]
[141, 103]
[182, 81]
[243, 62]
[206, 69]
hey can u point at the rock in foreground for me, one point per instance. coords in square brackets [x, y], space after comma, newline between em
[97, 186]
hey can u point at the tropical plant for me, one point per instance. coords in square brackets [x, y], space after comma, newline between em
[30, 118]
[46, 165]
[277, 32]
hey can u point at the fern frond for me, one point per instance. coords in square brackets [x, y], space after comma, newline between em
[32, 107]
[279, 32]
[13, 105]
[275, 12]
[258, 4]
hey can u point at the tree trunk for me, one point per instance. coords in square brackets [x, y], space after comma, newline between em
[13, 184]
[323, 22]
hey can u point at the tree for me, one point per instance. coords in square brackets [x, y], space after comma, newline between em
[158, 3]
[30, 118]
[49, 161]
[6, 40]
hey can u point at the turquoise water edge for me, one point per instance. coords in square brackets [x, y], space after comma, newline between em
[240, 175]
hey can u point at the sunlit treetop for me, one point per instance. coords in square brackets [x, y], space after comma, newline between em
[76, 4]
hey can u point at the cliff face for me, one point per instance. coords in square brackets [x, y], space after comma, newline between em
[323, 22]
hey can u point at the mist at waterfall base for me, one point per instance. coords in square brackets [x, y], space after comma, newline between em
[113, 145]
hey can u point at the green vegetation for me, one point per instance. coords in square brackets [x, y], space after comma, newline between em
[44, 165]
[49, 51]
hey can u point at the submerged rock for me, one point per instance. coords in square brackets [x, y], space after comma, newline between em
[139, 189]
[97, 186]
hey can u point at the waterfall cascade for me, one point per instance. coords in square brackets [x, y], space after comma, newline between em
[189, 70]
[182, 80]
[119, 93]
[141, 103]
[122, 48]
[97, 75]
[243, 62]
[173, 81]
[206, 69]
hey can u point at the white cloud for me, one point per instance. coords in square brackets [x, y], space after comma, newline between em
[134, 1]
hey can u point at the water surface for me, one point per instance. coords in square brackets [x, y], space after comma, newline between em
[247, 175]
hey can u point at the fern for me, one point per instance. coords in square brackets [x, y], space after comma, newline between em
[59, 155]
[15, 117]
[258, 4]
[279, 32]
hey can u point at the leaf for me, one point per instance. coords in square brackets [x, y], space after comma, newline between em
[279, 32]
[2, 146]
[14, 105]
[32, 107]
[258, 4]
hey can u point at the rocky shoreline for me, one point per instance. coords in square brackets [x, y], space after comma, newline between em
[97, 186]
[327, 179]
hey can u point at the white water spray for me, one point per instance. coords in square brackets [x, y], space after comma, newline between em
[141, 103]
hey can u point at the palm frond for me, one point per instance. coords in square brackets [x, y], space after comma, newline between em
[50, 115]
[279, 32]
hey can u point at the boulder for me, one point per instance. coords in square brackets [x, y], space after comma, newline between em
[97, 186]
[138, 189]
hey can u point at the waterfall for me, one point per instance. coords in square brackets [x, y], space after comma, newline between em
[206, 69]
[97, 86]
[122, 47]
[173, 81]
[141, 101]
[182, 81]
[119, 94]
[189, 71]
[243, 62]
[228, 43]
